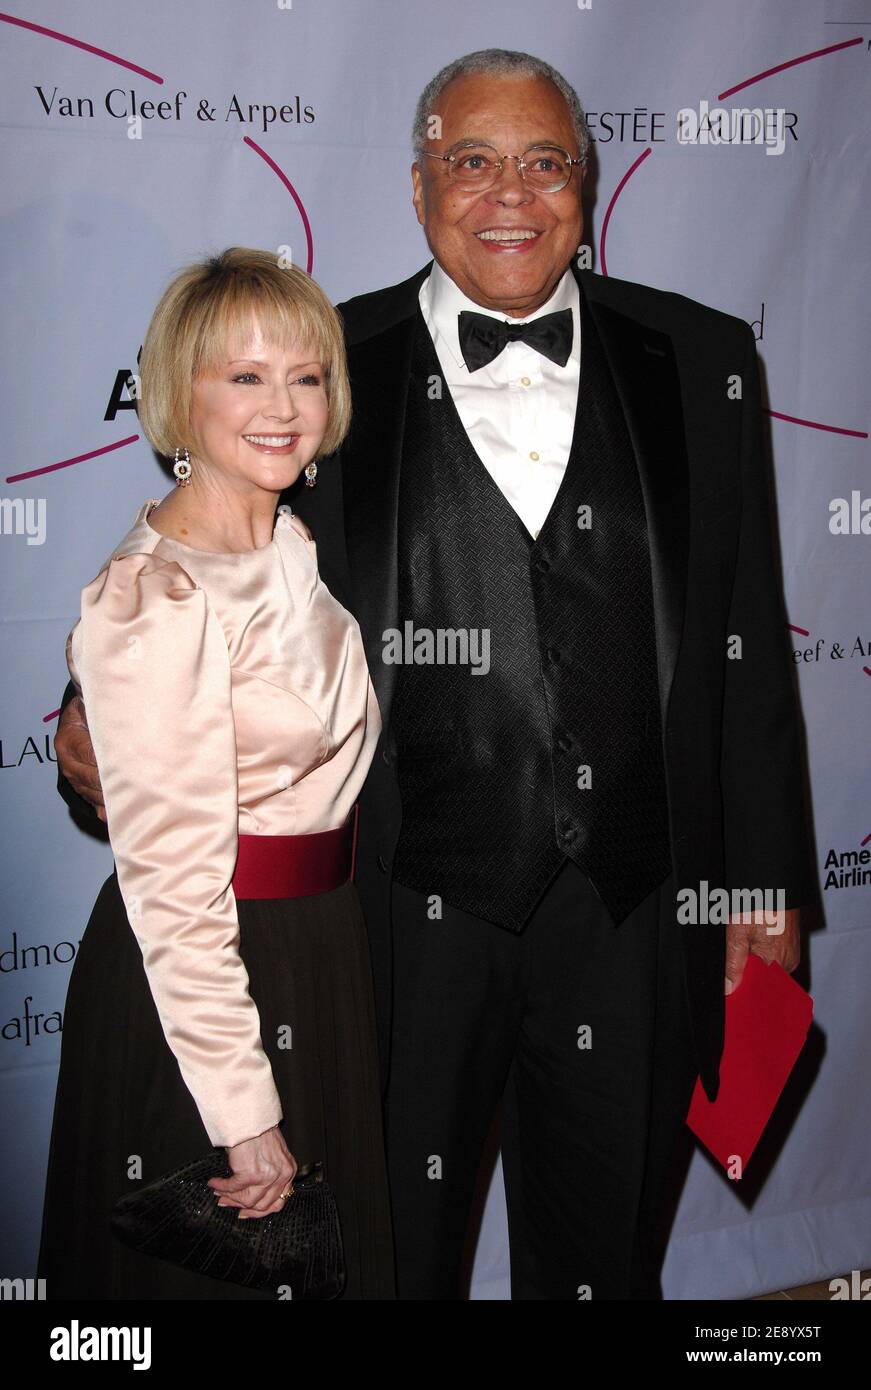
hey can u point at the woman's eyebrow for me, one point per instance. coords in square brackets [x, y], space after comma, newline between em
[260, 362]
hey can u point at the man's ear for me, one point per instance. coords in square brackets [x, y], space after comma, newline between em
[417, 197]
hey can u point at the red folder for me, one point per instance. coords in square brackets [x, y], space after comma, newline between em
[767, 1021]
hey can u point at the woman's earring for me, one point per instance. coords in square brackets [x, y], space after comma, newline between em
[182, 469]
[311, 473]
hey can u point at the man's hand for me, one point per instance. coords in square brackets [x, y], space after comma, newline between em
[75, 754]
[771, 935]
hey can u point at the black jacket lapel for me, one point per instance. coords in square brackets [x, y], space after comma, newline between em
[645, 373]
[380, 372]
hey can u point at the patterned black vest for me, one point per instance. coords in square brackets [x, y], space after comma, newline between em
[549, 743]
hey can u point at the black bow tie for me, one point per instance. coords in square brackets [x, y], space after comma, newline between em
[482, 338]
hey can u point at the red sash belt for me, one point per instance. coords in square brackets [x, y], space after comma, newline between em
[294, 866]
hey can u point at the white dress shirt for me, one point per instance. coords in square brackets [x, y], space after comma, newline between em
[519, 410]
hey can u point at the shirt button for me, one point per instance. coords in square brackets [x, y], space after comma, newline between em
[525, 381]
[534, 456]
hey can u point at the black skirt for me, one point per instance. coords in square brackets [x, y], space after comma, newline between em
[120, 1094]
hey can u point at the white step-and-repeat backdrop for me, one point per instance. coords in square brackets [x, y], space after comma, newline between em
[136, 138]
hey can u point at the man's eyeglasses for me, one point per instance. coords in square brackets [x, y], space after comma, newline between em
[544, 168]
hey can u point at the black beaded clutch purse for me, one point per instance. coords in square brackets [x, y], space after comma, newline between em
[177, 1218]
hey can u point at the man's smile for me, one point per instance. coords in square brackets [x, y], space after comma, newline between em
[509, 239]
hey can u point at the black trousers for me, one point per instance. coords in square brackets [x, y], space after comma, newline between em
[581, 1030]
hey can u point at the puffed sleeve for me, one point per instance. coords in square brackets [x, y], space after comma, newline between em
[150, 658]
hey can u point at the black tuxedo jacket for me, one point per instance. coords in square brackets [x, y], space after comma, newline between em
[688, 380]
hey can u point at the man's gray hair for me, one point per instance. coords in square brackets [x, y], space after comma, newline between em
[497, 62]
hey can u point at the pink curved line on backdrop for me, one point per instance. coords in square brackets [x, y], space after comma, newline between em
[47, 718]
[78, 43]
[778, 415]
[615, 195]
[815, 425]
[68, 463]
[793, 62]
[310, 254]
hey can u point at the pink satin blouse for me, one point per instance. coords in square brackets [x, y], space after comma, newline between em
[225, 694]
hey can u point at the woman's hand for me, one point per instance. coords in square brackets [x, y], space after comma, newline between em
[262, 1169]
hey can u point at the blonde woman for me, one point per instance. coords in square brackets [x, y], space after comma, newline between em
[222, 992]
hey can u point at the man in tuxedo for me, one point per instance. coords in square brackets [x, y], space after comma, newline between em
[551, 520]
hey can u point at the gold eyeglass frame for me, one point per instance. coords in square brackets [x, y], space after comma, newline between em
[520, 159]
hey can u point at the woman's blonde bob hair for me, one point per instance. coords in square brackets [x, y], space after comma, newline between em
[203, 319]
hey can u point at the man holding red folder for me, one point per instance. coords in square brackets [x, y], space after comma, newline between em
[574, 466]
